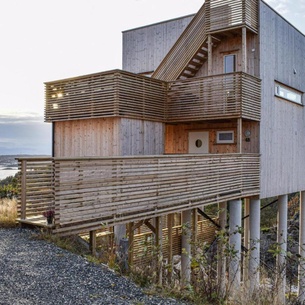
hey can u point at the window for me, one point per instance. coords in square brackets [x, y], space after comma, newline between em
[229, 63]
[225, 137]
[287, 93]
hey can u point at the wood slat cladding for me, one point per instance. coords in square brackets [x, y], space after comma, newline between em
[36, 196]
[107, 94]
[136, 97]
[224, 96]
[231, 14]
[133, 188]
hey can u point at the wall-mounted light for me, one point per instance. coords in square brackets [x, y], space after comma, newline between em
[247, 135]
[55, 106]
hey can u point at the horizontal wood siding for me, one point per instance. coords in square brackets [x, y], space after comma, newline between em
[107, 94]
[227, 14]
[223, 96]
[90, 192]
[87, 193]
[36, 188]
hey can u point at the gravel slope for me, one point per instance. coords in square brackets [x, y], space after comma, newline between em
[37, 272]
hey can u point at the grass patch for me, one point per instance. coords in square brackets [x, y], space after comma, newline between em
[8, 213]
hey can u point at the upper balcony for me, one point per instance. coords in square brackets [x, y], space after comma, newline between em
[225, 96]
[231, 14]
[122, 94]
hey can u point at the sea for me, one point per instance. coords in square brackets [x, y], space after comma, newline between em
[8, 165]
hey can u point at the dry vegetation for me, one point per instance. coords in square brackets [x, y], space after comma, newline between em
[8, 212]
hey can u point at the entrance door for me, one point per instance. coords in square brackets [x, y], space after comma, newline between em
[199, 142]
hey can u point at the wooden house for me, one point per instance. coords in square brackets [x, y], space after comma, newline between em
[208, 109]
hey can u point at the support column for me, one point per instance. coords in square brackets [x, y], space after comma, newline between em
[246, 240]
[221, 265]
[235, 244]
[301, 288]
[170, 224]
[282, 244]
[186, 248]
[92, 242]
[210, 54]
[159, 228]
[119, 233]
[254, 258]
[244, 49]
[239, 135]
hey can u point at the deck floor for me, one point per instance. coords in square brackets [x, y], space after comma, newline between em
[36, 221]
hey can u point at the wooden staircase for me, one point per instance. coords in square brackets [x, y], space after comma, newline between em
[189, 52]
[198, 60]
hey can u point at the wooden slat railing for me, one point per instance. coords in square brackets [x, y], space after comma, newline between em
[36, 188]
[87, 192]
[224, 15]
[120, 94]
[220, 96]
[106, 94]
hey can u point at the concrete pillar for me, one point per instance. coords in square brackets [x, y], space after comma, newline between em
[186, 248]
[246, 240]
[119, 233]
[301, 288]
[221, 265]
[282, 244]
[235, 244]
[254, 253]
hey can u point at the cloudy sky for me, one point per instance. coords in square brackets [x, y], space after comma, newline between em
[44, 40]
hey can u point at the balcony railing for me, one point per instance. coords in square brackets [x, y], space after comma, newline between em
[118, 93]
[214, 97]
[230, 14]
[106, 94]
[87, 192]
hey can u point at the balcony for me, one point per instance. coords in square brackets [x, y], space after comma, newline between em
[118, 93]
[89, 192]
[231, 14]
[106, 94]
[225, 96]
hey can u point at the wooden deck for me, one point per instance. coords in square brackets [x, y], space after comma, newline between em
[87, 193]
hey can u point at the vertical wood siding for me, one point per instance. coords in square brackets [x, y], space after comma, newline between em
[282, 134]
[145, 47]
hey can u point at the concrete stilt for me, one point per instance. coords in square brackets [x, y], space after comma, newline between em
[186, 248]
[254, 257]
[246, 241]
[221, 265]
[119, 233]
[235, 244]
[301, 288]
[282, 244]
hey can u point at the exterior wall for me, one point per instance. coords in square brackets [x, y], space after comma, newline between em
[232, 45]
[108, 137]
[140, 137]
[90, 137]
[282, 140]
[144, 48]
[176, 137]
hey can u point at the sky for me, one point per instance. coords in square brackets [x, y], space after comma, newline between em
[44, 40]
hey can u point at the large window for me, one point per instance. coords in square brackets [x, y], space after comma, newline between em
[288, 93]
[229, 63]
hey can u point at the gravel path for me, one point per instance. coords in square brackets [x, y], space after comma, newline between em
[37, 272]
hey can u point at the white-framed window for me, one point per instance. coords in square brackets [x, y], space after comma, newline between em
[229, 63]
[225, 137]
[288, 93]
